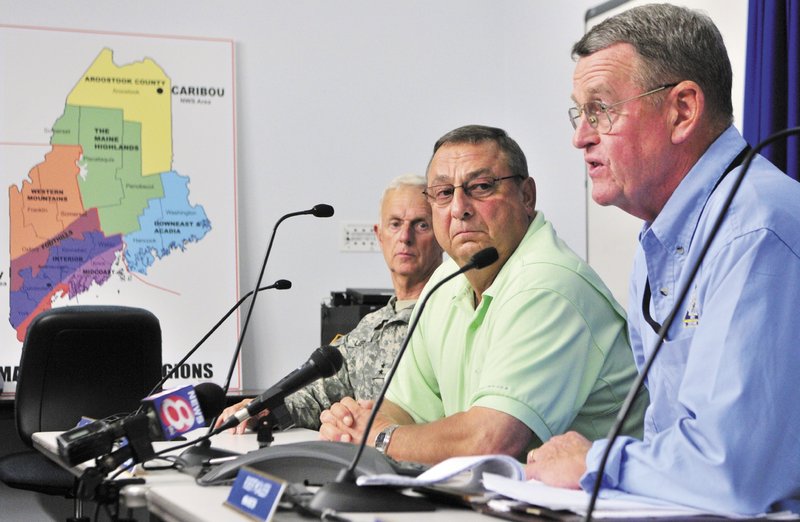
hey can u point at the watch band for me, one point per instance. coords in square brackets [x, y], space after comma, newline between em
[384, 437]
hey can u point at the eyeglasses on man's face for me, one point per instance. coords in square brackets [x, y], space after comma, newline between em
[478, 188]
[597, 112]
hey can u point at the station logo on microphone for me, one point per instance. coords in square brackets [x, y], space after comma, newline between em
[179, 411]
[118, 158]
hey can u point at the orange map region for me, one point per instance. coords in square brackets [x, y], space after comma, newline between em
[48, 203]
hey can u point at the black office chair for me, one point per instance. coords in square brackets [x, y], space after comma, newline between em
[91, 361]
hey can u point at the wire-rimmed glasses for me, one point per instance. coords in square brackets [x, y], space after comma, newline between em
[597, 114]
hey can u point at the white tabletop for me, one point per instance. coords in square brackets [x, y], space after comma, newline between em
[190, 502]
[175, 497]
[134, 495]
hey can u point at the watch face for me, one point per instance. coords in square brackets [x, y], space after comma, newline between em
[382, 440]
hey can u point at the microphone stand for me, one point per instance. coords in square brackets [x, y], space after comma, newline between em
[139, 448]
[623, 413]
[280, 284]
[344, 494]
[202, 451]
[320, 210]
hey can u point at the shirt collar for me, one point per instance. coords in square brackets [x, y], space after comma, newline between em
[399, 305]
[675, 225]
[463, 290]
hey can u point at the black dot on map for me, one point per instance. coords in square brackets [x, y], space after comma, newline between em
[160, 90]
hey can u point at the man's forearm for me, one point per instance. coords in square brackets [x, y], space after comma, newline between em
[477, 431]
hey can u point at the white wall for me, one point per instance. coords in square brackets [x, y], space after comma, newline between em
[336, 98]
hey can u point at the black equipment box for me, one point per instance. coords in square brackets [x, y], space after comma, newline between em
[345, 309]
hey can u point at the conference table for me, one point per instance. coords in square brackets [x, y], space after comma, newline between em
[175, 497]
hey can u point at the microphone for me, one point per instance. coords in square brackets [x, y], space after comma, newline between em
[320, 210]
[343, 494]
[324, 362]
[174, 412]
[137, 429]
[166, 416]
[481, 259]
[280, 284]
[623, 413]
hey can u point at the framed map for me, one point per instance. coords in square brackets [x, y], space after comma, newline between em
[118, 154]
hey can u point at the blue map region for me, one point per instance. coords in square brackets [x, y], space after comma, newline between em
[65, 259]
[167, 224]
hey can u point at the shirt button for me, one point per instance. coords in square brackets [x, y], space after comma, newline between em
[679, 250]
[664, 291]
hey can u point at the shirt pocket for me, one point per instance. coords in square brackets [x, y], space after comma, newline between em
[665, 380]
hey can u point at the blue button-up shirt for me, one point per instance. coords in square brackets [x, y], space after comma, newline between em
[722, 432]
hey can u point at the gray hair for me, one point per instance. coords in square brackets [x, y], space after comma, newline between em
[474, 134]
[403, 180]
[675, 44]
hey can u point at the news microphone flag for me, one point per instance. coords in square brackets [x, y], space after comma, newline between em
[178, 411]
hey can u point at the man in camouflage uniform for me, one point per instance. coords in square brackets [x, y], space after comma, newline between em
[411, 252]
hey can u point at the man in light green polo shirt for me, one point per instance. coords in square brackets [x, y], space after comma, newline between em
[507, 356]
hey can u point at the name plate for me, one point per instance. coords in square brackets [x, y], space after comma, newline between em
[255, 494]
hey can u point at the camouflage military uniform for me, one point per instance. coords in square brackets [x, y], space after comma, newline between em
[369, 351]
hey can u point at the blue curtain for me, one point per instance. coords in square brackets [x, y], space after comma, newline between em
[772, 79]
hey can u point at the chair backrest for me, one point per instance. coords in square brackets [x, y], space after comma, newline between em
[91, 361]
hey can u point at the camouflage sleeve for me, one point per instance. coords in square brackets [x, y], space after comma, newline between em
[368, 351]
[306, 405]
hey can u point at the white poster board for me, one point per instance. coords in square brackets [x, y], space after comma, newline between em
[118, 158]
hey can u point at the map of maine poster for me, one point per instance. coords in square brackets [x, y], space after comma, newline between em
[117, 154]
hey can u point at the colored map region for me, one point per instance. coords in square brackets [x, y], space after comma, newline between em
[167, 224]
[105, 195]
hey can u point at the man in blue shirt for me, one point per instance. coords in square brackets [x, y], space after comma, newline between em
[653, 117]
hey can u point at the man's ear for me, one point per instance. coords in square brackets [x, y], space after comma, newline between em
[376, 231]
[529, 195]
[687, 107]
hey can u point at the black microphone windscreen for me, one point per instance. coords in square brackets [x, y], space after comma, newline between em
[283, 284]
[484, 258]
[322, 210]
[328, 360]
[211, 398]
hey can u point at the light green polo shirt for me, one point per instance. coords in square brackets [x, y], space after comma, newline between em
[547, 344]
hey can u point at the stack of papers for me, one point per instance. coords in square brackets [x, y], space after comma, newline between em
[504, 476]
[464, 473]
[611, 504]
[620, 505]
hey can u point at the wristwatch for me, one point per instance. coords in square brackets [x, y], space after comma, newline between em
[384, 437]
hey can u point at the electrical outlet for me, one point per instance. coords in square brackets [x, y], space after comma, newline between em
[358, 237]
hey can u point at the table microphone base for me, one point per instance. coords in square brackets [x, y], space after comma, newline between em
[194, 460]
[349, 497]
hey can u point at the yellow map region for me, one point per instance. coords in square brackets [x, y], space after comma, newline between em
[142, 91]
